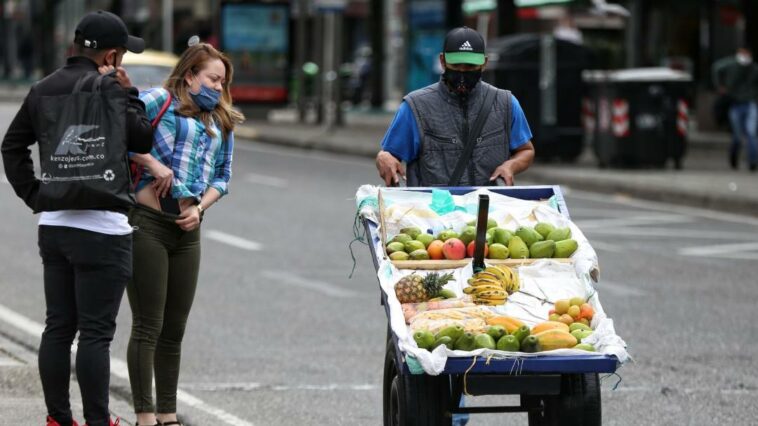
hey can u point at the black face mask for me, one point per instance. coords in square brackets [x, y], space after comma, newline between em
[461, 82]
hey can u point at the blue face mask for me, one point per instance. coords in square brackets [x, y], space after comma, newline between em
[207, 99]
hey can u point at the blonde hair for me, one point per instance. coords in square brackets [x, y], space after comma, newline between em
[192, 61]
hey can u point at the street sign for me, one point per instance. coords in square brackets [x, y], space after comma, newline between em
[471, 7]
[330, 5]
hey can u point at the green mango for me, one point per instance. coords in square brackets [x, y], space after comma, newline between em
[586, 333]
[521, 333]
[496, 331]
[508, 343]
[447, 293]
[468, 234]
[559, 234]
[444, 340]
[413, 231]
[530, 344]
[498, 251]
[542, 249]
[565, 248]
[578, 334]
[579, 326]
[484, 341]
[395, 246]
[544, 229]
[585, 347]
[447, 234]
[419, 254]
[400, 255]
[465, 342]
[528, 235]
[490, 236]
[453, 331]
[501, 236]
[517, 248]
[424, 339]
[401, 238]
[426, 239]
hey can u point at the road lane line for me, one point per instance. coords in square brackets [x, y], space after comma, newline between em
[267, 180]
[283, 277]
[619, 289]
[232, 240]
[723, 250]
[119, 369]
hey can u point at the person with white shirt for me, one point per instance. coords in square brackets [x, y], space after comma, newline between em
[86, 251]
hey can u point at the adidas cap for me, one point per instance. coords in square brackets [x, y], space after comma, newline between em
[464, 45]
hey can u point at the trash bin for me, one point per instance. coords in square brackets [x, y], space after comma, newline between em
[545, 74]
[637, 117]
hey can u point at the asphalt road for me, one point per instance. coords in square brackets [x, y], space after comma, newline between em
[279, 335]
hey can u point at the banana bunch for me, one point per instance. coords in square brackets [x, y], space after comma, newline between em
[493, 285]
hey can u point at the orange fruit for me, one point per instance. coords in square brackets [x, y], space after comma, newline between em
[435, 250]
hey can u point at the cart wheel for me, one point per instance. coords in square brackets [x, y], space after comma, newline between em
[414, 399]
[577, 405]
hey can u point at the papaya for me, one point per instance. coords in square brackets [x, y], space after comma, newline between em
[559, 234]
[549, 325]
[565, 248]
[555, 339]
[544, 229]
[528, 235]
[542, 249]
[511, 324]
[517, 248]
[508, 343]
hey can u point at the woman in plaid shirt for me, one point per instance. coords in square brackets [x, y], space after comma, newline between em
[187, 171]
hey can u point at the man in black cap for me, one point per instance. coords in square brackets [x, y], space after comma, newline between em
[86, 252]
[459, 131]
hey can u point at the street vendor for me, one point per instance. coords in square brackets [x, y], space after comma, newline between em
[434, 125]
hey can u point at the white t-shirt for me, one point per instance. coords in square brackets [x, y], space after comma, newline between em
[101, 221]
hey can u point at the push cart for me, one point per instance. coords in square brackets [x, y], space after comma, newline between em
[553, 389]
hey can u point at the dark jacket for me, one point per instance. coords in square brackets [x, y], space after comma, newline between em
[23, 131]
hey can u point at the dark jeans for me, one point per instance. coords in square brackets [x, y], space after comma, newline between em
[85, 275]
[166, 266]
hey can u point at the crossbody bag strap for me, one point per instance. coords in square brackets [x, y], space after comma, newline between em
[476, 130]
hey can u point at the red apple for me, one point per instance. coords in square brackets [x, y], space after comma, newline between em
[454, 249]
[470, 249]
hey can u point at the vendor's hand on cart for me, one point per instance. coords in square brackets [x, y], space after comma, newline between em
[504, 173]
[390, 168]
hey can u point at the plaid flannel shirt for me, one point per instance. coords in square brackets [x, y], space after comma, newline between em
[198, 160]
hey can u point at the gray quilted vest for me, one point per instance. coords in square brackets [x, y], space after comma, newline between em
[440, 118]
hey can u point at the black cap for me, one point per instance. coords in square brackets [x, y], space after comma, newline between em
[104, 30]
[464, 46]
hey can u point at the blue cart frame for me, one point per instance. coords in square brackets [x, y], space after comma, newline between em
[553, 389]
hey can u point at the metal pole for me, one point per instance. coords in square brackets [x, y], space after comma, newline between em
[329, 73]
[168, 25]
[300, 40]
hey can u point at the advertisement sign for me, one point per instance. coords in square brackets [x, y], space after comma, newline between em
[255, 36]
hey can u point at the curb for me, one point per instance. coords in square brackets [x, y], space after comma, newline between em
[718, 202]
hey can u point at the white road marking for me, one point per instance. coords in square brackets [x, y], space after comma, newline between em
[730, 251]
[654, 219]
[605, 286]
[118, 368]
[224, 387]
[283, 277]
[267, 180]
[675, 233]
[657, 205]
[613, 248]
[232, 240]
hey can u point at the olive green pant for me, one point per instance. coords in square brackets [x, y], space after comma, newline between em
[166, 264]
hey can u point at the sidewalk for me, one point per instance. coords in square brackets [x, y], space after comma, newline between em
[706, 180]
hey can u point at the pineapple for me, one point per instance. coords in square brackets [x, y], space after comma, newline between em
[415, 288]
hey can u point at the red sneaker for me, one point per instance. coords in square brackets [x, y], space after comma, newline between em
[51, 422]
